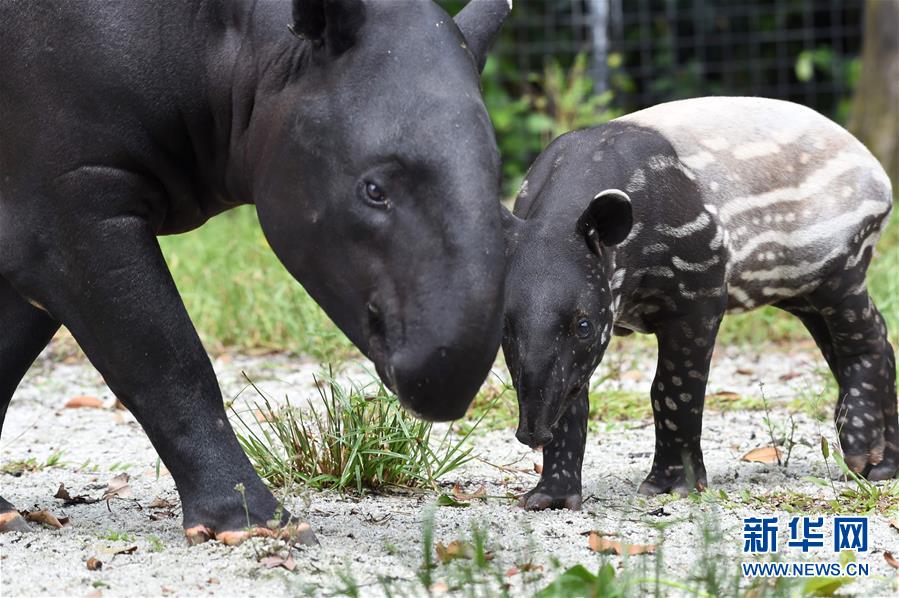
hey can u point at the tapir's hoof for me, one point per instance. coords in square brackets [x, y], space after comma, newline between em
[885, 470]
[856, 463]
[300, 533]
[11, 521]
[654, 486]
[540, 501]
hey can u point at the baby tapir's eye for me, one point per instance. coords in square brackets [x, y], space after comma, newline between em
[375, 195]
[584, 328]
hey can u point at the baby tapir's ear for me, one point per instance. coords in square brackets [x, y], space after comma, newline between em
[607, 220]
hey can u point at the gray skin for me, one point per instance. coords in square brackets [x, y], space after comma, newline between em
[359, 134]
[661, 222]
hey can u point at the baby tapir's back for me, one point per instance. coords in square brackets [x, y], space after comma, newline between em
[794, 194]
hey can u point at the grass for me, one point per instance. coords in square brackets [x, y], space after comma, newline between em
[17, 468]
[360, 438]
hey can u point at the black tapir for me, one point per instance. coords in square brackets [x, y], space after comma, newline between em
[661, 222]
[357, 129]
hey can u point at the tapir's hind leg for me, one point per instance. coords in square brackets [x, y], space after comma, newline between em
[26, 331]
[862, 360]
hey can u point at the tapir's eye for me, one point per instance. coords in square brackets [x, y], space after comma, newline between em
[375, 194]
[584, 328]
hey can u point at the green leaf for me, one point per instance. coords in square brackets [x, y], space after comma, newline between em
[805, 66]
[576, 581]
[445, 500]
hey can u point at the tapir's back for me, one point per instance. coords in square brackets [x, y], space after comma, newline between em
[790, 188]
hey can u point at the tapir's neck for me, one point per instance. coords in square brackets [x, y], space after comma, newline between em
[251, 57]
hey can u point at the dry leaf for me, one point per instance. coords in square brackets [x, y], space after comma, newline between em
[890, 559]
[454, 550]
[745, 371]
[601, 545]
[161, 503]
[94, 564]
[64, 494]
[47, 518]
[125, 550]
[725, 394]
[894, 523]
[460, 494]
[84, 402]
[275, 561]
[119, 405]
[523, 568]
[538, 467]
[762, 454]
[263, 416]
[789, 376]
[118, 488]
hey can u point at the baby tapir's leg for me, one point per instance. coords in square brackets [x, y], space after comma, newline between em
[678, 395]
[563, 457]
[865, 368]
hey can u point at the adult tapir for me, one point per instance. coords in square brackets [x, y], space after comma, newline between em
[357, 129]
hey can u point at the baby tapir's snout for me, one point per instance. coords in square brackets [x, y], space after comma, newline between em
[537, 411]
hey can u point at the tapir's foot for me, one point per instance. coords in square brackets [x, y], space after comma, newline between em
[295, 533]
[885, 470]
[545, 497]
[232, 517]
[11, 521]
[674, 479]
[862, 440]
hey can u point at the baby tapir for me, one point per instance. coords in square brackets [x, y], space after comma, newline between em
[663, 221]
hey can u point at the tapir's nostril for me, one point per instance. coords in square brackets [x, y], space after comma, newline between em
[534, 438]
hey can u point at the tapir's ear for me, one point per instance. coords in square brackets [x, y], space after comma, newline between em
[332, 24]
[479, 23]
[511, 229]
[607, 220]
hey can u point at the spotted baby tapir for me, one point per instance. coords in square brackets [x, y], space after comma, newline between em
[661, 222]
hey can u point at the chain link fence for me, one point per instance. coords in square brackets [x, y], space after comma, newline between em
[651, 51]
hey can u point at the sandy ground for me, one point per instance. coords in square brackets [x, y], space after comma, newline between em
[376, 537]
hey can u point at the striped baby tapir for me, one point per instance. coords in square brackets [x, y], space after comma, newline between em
[663, 221]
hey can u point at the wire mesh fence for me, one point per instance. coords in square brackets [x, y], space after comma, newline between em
[650, 51]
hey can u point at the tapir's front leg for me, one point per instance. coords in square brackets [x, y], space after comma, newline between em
[106, 280]
[678, 395]
[563, 457]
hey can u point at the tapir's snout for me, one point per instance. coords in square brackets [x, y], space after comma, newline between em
[534, 433]
[539, 407]
[439, 385]
[436, 357]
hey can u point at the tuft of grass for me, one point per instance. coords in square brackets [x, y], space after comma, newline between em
[360, 438]
[156, 543]
[17, 468]
[117, 536]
